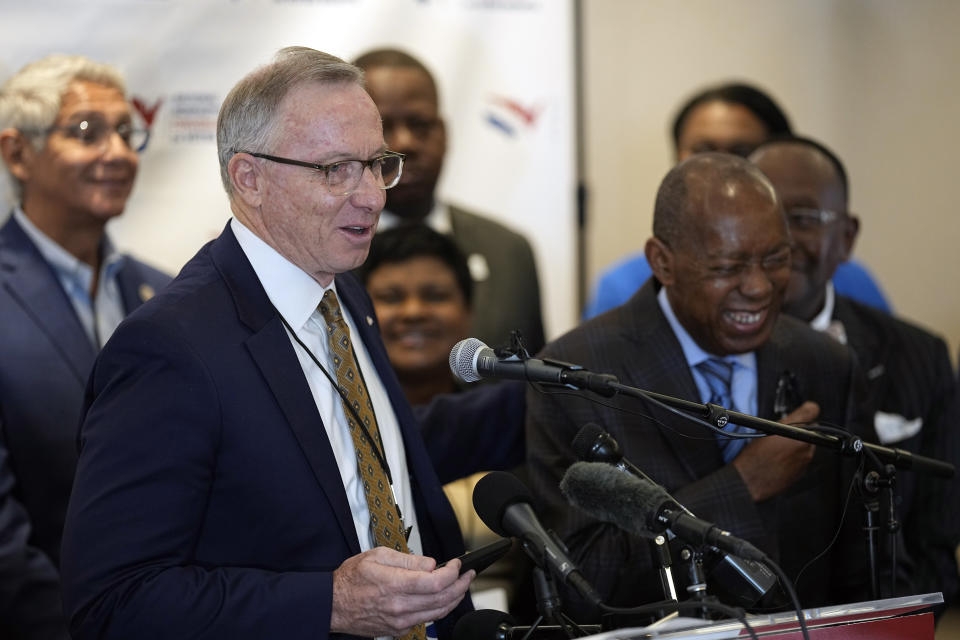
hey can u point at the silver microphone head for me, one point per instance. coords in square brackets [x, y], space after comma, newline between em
[463, 359]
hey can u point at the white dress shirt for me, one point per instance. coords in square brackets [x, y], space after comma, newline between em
[296, 296]
[825, 322]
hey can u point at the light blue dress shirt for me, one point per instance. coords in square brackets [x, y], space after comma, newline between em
[744, 385]
[99, 315]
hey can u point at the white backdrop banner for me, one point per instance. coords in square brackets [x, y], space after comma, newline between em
[505, 70]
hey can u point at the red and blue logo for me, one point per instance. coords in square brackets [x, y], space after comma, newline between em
[147, 114]
[510, 116]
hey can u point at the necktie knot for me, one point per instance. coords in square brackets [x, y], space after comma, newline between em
[718, 374]
[330, 307]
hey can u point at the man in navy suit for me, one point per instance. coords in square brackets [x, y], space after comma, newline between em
[218, 493]
[70, 149]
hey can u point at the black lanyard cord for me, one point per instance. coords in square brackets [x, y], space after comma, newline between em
[346, 403]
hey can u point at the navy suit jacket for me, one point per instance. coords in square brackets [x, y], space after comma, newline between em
[45, 357]
[477, 429]
[207, 502]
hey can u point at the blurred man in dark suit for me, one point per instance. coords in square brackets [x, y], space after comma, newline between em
[707, 328]
[507, 290]
[70, 147]
[913, 397]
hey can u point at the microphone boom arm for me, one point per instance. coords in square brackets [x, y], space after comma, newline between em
[719, 416]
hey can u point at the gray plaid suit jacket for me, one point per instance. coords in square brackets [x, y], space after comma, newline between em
[635, 343]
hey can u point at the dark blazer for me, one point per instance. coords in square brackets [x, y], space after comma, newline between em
[478, 429]
[635, 343]
[29, 583]
[207, 502]
[45, 357]
[509, 298]
[909, 374]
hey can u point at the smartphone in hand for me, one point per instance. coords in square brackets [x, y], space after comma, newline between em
[482, 557]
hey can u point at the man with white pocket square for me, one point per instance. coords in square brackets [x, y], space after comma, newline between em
[912, 393]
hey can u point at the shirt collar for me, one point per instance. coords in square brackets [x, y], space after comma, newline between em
[438, 219]
[693, 353]
[821, 322]
[291, 290]
[65, 264]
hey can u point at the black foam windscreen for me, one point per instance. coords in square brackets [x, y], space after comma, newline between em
[482, 624]
[493, 494]
[610, 495]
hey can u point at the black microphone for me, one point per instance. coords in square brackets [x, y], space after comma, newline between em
[484, 624]
[490, 624]
[471, 360]
[643, 507]
[505, 506]
[593, 444]
[742, 580]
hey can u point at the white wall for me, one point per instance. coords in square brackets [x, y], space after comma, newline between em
[876, 80]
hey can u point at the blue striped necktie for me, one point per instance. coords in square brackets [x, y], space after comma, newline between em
[719, 376]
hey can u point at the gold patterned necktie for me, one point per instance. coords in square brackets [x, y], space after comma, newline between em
[385, 519]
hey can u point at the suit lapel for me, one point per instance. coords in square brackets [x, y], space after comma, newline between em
[774, 360]
[134, 289]
[435, 518]
[282, 371]
[870, 345]
[33, 284]
[770, 365]
[355, 299]
[662, 361]
[457, 220]
[273, 354]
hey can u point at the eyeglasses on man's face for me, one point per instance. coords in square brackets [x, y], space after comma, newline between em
[96, 132]
[342, 178]
[809, 219]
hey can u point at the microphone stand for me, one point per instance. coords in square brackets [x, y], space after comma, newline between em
[548, 599]
[870, 485]
[717, 416]
[661, 552]
[548, 608]
[746, 581]
[848, 445]
[698, 579]
[893, 525]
